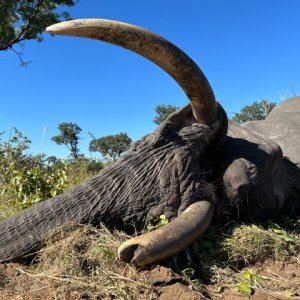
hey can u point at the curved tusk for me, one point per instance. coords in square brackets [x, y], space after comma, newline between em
[170, 239]
[157, 49]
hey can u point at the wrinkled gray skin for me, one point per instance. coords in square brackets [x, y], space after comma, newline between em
[243, 173]
[261, 158]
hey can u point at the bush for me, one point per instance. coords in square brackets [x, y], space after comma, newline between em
[36, 184]
[28, 179]
[82, 169]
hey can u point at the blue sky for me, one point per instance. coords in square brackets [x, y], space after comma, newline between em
[248, 50]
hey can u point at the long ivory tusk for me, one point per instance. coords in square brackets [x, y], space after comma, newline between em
[169, 239]
[157, 49]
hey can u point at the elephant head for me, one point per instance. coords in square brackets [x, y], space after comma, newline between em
[166, 172]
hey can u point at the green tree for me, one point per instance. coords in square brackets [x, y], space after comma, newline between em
[162, 111]
[69, 136]
[110, 146]
[22, 20]
[255, 112]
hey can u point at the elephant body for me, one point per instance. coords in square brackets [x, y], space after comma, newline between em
[197, 163]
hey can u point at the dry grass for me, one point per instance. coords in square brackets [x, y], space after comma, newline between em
[250, 244]
[83, 258]
[256, 257]
[80, 262]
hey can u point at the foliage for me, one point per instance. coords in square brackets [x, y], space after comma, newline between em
[26, 177]
[163, 111]
[37, 184]
[250, 244]
[255, 112]
[161, 221]
[22, 20]
[12, 155]
[110, 146]
[244, 288]
[81, 169]
[250, 280]
[69, 136]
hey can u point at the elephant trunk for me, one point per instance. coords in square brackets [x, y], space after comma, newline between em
[23, 233]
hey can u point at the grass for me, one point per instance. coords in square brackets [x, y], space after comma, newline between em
[84, 258]
[7, 207]
[230, 257]
[238, 257]
[250, 244]
[80, 262]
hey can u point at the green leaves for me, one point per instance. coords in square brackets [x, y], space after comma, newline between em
[256, 111]
[244, 288]
[26, 20]
[157, 223]
[27, 177]
[163, 111]
[36, 184]
[110, 146]
[251, 278]
[69, 136]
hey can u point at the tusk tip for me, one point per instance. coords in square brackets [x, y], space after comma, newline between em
[52, 29]
[61, 27]
[126, 252]
[69, 26]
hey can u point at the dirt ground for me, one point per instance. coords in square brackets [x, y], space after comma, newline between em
[280, 281]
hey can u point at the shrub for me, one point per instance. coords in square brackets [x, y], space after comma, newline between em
[28, 179]
[81, 169]
[36, 184]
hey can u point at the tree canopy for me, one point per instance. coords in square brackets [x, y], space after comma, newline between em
[254, 112]
[163, 111]
[110, 146]
[22, 20]
[69, 136]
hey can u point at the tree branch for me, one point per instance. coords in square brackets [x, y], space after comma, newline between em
[22, 61]
[19, 37]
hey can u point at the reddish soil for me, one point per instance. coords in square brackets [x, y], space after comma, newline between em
[282, 282]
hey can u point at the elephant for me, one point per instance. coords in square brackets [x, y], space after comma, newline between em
[197, 168]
